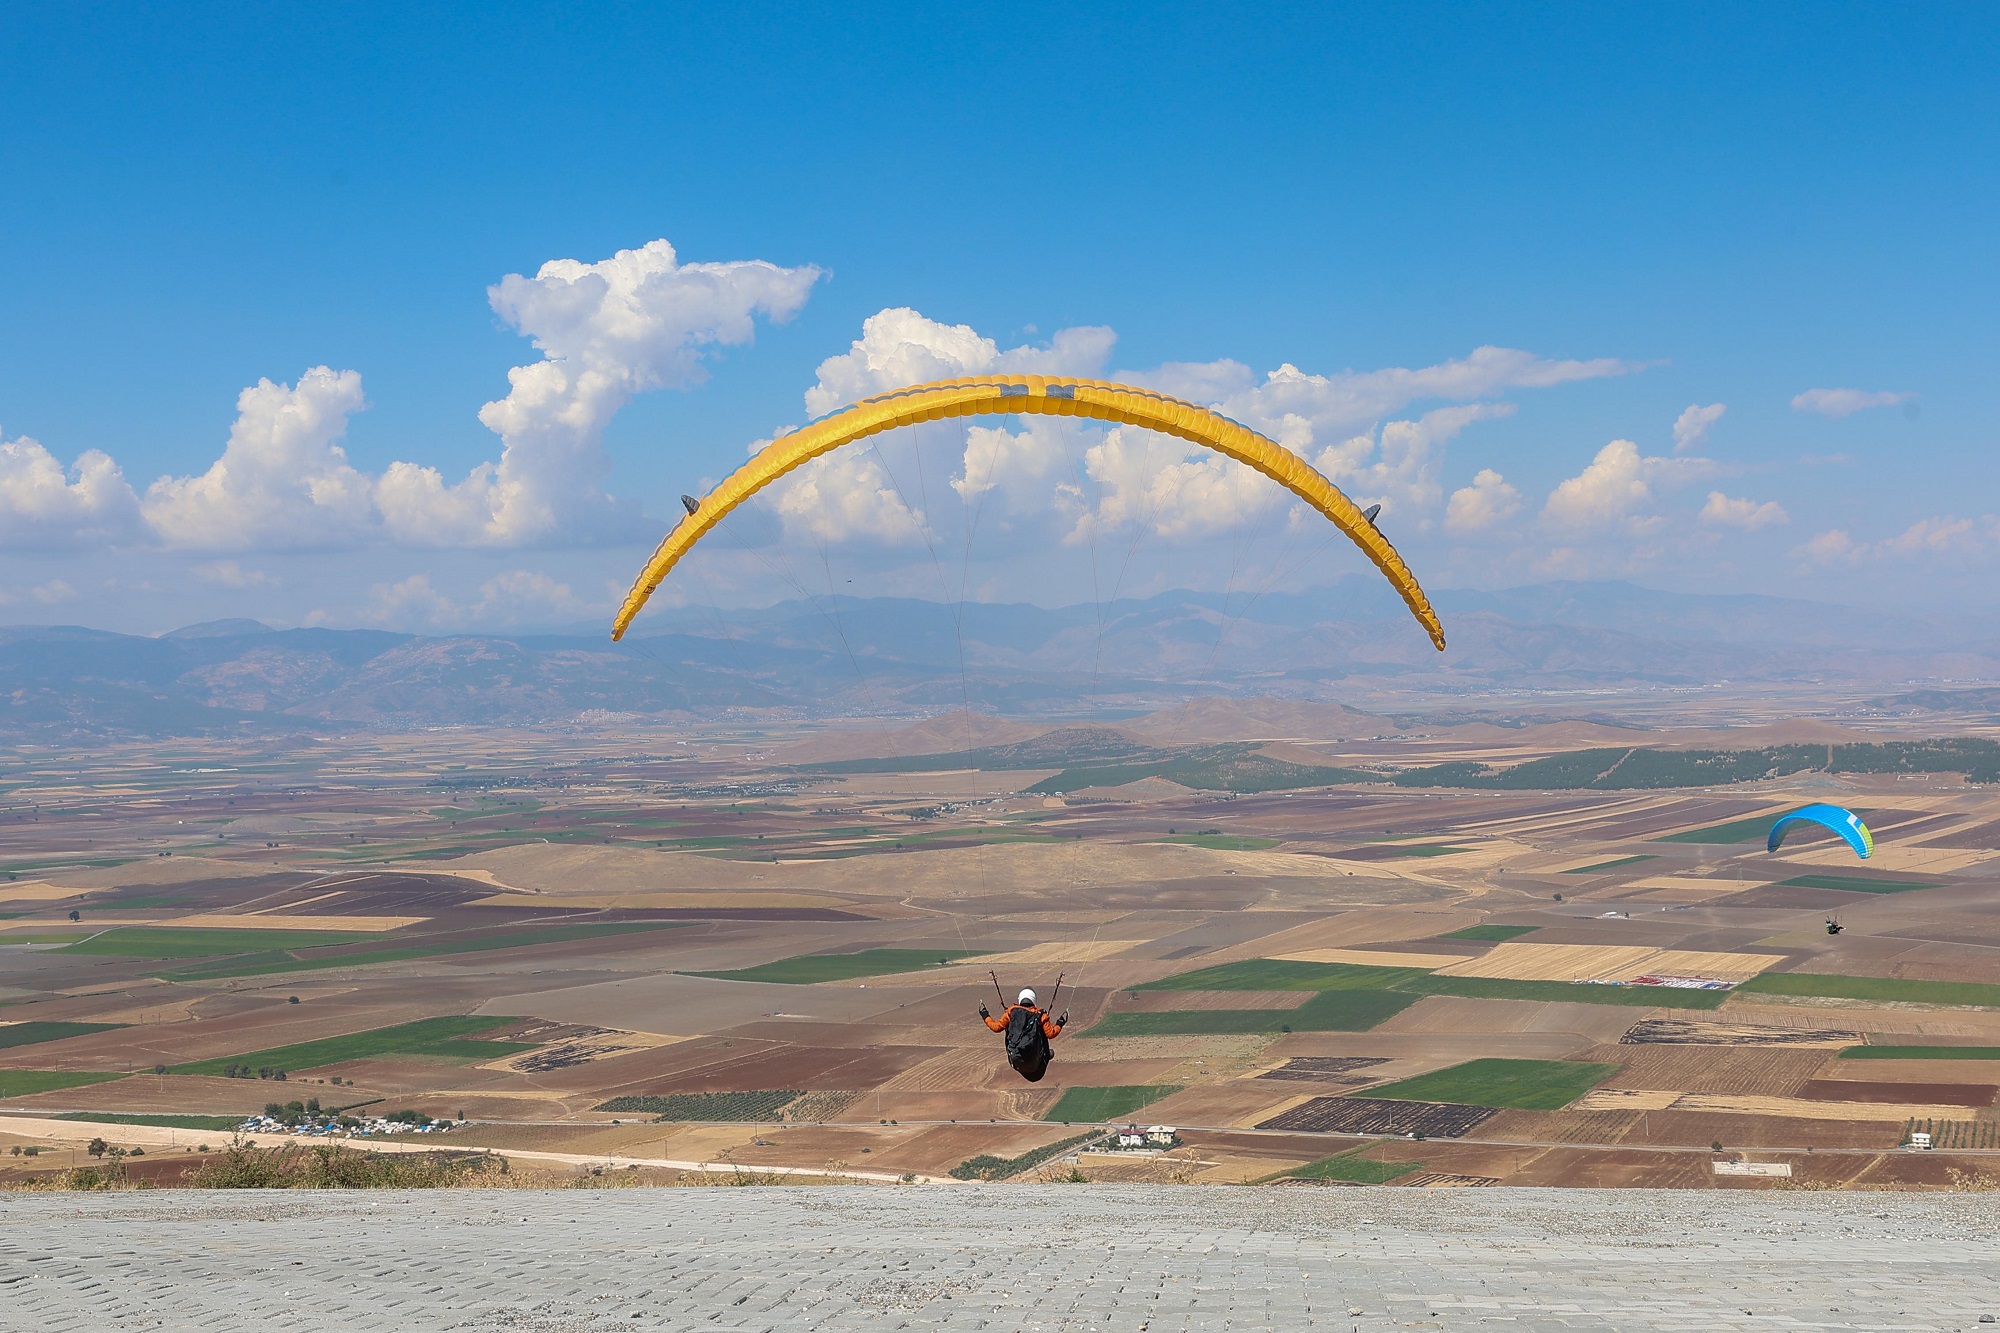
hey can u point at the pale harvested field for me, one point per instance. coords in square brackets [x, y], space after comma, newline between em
[165, 1008]
[1053, 952]
[1239, 1104]
[1359, 926]
[276, 921]
[1606, 962]
[1884, 1024]
[1912, 857]
[1458, 1015]
[1552, 962]
[1798, 1108]
[1726, 966]
[36, 891]
[1625, 1099]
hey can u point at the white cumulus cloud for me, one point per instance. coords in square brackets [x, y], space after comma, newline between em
[1846, 402]
[638, 321]
[1166, 486]
[1691, 427]
[1399, 466]
[283, 481]
[899, 347]
[46, 506]
[1723, 511]
[1617, 490]
[1488, 502]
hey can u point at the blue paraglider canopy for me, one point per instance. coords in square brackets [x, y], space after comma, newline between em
[1838, 818]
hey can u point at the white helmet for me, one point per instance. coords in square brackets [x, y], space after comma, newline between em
[1027, 997]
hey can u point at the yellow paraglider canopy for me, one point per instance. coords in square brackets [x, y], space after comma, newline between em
[1046, 395]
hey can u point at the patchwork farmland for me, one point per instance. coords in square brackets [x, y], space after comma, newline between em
[770, 949]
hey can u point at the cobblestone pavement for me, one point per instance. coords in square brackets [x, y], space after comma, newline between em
[1005, 1257]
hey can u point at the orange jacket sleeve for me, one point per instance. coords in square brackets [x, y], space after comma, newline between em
[1050, 1028]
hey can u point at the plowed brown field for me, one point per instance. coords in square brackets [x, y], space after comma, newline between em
[1935, 1094]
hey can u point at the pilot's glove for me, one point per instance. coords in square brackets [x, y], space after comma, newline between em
[1063, 1022]
[984, 1012]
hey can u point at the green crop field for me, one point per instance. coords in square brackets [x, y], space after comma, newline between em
[1737, 830]
[437, 1038]
[1103, 1105]
[807, 969]
[1285, 974]
[28, 1082]
[1609, 865]
[1348, 1167]
[262, 964]
[219, 1123]
[1567, 992]
[1326, 1011]
[1980, 994]
[1856, 884]
[708, 1105]
[1490, 933]
[174, 942]
[1526, 1085]
[41, 1030]
[1921, 1053]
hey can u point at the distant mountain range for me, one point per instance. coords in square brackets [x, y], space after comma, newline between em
[890, 656]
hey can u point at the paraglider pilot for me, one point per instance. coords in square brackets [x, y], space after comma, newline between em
[1029, 1031]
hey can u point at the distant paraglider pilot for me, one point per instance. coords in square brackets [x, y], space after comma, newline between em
[1029, 1031]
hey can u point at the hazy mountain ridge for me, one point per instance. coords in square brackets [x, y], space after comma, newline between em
[888, 656]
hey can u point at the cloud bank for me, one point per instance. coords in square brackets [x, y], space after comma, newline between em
[638, 321]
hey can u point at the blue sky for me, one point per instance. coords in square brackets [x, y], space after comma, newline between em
[1711, 205]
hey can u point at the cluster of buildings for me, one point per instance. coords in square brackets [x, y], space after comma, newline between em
[341, 1126]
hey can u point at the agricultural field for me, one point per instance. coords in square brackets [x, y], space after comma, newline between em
[811, 969]
[768, 942]
[1088, 1105]
[1351, 1115]
[1528, 1085]
[439, 1038]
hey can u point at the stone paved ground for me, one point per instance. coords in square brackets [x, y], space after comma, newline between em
[1133, 1259]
